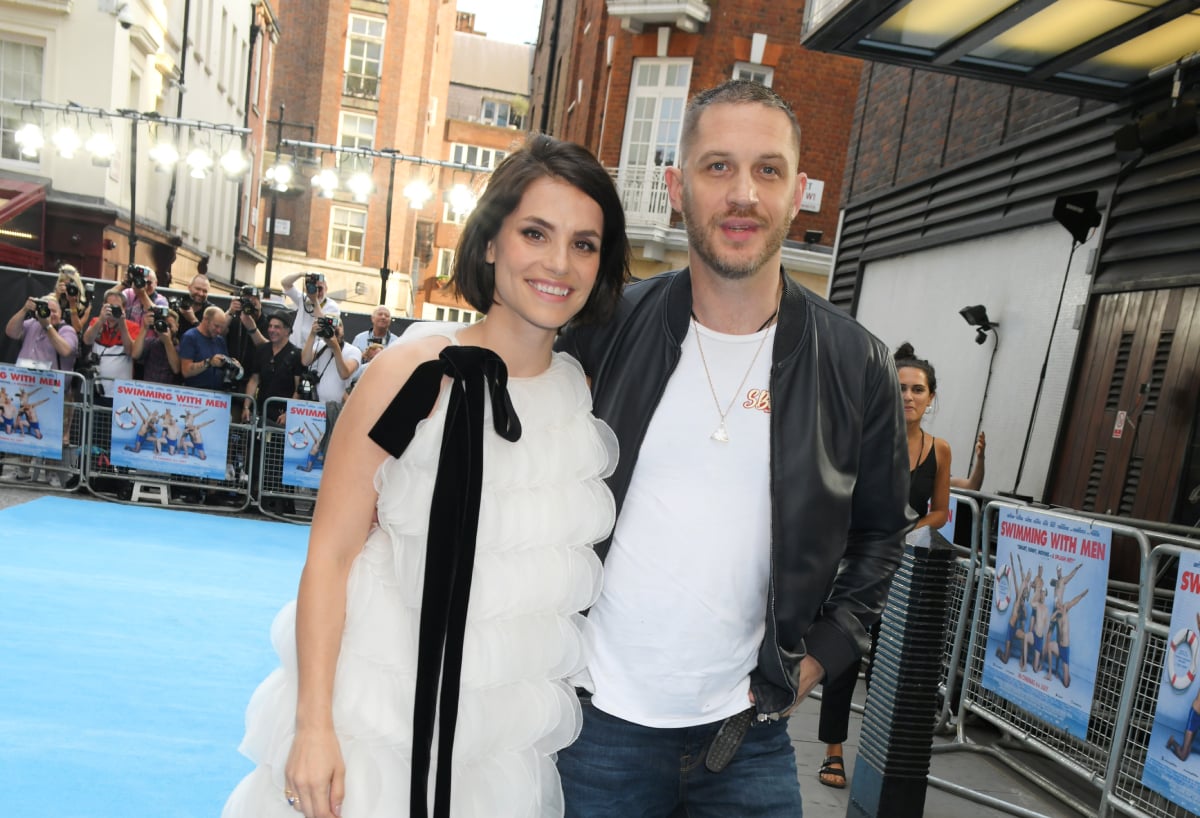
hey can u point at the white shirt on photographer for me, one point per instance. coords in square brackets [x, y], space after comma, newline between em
[304, 319]
[331, 386]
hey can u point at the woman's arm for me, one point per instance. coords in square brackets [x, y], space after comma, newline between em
[341, 523]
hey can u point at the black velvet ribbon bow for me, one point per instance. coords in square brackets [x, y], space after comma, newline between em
[450, 547]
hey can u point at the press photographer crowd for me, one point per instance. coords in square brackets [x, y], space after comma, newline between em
[250, 349]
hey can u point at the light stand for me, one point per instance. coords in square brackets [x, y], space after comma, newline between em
[977, 317]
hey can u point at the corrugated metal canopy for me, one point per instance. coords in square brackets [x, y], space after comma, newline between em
[1093, 48]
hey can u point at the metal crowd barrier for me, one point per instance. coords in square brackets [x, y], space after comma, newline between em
[277, 496]
[1133, 647]
[962, 583]
[66, 473]
[230, 493]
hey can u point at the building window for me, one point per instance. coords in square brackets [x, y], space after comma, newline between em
[754, 73]
[355, 131]
[495, 112]
[445, 264]
[347, 229]
[653, 121]
[456, 315]
[364, 56]
[20, 78]
[478, 157]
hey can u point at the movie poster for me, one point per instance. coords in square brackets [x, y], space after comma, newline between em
[170, 429]
[1047, 615]
[947, 530]
[304, 451]
[1173, 759]
[31, 412]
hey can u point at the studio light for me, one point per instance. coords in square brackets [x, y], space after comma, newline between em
[199, 163]
[234, 163]
[102, 148]
[326, 182]
[29, 136]
[280, 176]
[418, 194]
[165, 156]
[462, 199]
[977, 317]
[66, 142]
[360, 185]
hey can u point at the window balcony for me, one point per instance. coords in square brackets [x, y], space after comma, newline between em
[643, 190]
[686, 15]
[362, 86]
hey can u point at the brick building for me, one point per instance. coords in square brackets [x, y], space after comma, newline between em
[615, 76]
[359, 74]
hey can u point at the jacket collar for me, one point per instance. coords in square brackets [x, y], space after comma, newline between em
[793, 313]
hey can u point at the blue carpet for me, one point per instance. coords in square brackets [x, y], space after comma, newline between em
[131, 639]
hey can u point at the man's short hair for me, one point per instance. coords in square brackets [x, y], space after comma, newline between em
[733, 92]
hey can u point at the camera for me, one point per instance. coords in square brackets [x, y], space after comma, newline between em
[311, 280]
[160, 320]
[41, 308]
[326, 327]
[185, 302]
[232, 369]
[72, 290]
[247, 300]
[88, 366]
[308, 384]
[117, 311]
[138, 275]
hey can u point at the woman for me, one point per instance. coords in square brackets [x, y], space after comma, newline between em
[346, 727]
[929, 497]
[69, 291]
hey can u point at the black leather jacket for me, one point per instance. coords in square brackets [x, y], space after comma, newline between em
[839, 464]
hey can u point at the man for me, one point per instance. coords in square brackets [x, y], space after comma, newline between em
[761, 492]
[197, 302]
[310, 305]
[334, 362]
[247, 328]
[46, 341]
[142, 300]
[274, 373]
[116, 341]
[202, 352]
[371, 342]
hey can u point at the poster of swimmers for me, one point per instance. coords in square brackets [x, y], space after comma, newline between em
[31, 412]
[303, 450]
[1047, 615]
[1173, 760]
[170, 429]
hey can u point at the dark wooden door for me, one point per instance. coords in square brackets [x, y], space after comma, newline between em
[1133, 407]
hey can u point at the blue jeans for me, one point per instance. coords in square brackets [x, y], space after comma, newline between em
[617, 769]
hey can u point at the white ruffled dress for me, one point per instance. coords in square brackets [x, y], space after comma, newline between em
[543, 507]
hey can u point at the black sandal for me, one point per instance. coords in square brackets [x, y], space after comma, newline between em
[834, 768]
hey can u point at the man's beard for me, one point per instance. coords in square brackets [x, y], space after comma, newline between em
[700, 239]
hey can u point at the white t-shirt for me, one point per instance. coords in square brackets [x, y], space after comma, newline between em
[332, 386]
[679, 623]
[304, 319]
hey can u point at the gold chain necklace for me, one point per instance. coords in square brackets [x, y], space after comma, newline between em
[721, 434]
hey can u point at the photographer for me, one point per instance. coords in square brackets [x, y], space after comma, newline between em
[192, 304]
[334, 362]
[46, 341]
[160, 351]
[116, 342]
[141, 294]
[204, 360]
[72, 297]
[310, 305]
[274, 371]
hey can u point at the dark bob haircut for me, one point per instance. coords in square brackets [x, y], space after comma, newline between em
[540, 157]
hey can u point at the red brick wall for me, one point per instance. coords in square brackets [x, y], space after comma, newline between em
[912, 124]
[821, 88]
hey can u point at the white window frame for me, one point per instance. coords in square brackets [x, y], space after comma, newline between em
[658, 93]
[363, 32]
[498, 105]
[345, 225]
[353, 134]
[445, 262]
[476, 155]
[754, 72]
[21, 85]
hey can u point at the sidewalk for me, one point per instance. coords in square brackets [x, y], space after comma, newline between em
[972, 770]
